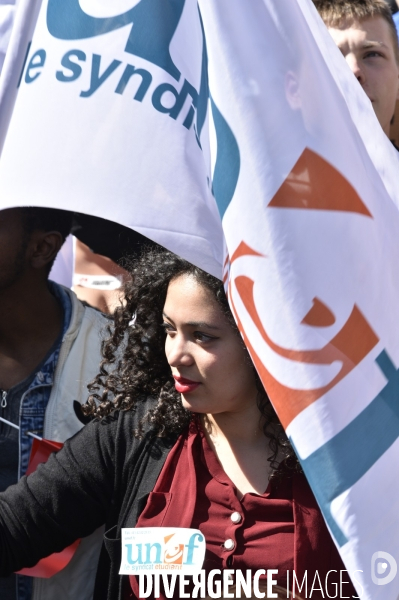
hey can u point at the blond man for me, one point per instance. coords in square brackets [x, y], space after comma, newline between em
[365, 33]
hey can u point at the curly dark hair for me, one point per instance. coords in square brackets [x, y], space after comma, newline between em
[134, 366]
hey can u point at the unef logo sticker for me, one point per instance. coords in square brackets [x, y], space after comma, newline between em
[162, 549]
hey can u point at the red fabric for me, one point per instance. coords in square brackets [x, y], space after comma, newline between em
[49, 566]
[281, 529]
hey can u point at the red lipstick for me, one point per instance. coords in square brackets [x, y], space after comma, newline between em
[184, 386]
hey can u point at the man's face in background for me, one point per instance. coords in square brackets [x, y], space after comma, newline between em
[370, 51]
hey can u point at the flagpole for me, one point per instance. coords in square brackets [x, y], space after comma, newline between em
[33, 435]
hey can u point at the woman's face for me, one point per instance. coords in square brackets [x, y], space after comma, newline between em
[207, 358]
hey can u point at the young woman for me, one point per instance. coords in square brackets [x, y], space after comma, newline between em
[194, 442]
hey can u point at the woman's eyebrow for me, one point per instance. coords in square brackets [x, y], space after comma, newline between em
[202, 324]
[166, 316]
[194, 323]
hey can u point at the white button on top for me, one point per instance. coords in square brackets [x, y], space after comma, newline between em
[236, 517]
[229, 545]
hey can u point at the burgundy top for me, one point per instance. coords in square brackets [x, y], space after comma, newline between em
[194, 491]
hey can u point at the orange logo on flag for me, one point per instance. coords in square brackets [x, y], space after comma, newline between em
[316, 185]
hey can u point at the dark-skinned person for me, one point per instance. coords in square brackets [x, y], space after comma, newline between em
[49, 350]
[184, 436]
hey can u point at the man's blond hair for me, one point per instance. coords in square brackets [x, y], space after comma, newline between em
[335, 12]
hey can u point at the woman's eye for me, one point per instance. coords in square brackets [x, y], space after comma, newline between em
[168, 328]
[203, 337]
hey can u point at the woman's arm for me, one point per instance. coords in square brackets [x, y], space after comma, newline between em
[65, 499]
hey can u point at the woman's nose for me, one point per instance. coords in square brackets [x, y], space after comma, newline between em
[177, 351]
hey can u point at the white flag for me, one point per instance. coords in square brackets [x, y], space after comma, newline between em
[109, 121]
[301, 175]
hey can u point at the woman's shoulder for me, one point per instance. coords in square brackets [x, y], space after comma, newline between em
[122, 437]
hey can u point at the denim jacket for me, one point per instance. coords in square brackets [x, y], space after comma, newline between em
[35, 399]
[33, 407]
[77, 364]
[50, 406]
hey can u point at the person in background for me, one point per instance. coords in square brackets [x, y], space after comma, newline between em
[50, 348]
[97, 279]
[365, 33]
